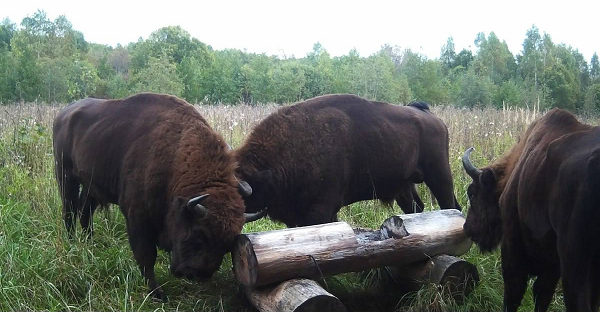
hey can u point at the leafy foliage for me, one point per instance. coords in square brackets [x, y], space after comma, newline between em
[47, 60]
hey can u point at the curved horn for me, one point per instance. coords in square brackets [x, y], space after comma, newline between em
[250, 217]
[194, 205]
[196, 200]
[471, 170]
[244, 188]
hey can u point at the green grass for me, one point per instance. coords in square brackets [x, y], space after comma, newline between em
[41, 269]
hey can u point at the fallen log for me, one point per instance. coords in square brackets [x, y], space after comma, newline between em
[456, 275]
[269, 257]
[296, 295]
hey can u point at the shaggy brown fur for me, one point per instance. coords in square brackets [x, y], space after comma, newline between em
[150, 153]
[305, 161]
[540, 201]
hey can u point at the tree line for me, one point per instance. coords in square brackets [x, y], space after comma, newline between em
[49, 61]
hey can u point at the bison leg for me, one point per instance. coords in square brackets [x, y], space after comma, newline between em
[89, 205]
[544, 287]
[143, 245]
[69, 193]
[515, 277]
[439, 181]
[578, 275]
[409, 200]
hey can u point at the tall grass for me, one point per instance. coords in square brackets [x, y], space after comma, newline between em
[41, 269]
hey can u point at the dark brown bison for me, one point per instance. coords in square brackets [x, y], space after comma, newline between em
[305, 161]
[170, 173]
[541, 202]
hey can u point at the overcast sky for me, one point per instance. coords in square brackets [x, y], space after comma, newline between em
[292, 27]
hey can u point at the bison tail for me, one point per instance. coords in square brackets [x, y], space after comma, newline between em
[420, 105]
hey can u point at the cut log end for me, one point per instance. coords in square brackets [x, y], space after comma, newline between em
[460, 277]
[321, 303]
[393, 227]
[245, 258]
[296, 295]
[455, 275]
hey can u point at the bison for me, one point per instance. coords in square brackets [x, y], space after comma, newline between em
[170, 173]
[305, 161]
[541, 203]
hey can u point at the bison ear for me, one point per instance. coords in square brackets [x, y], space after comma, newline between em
[488, 179]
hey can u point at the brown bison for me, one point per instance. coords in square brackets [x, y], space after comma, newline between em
[170, 173]
[541, 202]
[305, 161]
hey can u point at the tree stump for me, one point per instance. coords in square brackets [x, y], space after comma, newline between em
[296, 295]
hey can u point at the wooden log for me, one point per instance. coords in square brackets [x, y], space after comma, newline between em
[269, 257]
[458, 276]
[296, 295]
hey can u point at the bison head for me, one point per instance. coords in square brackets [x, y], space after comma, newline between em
[484, 221]
[200, 237]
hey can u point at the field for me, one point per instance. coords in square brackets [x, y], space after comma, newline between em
[41, 269]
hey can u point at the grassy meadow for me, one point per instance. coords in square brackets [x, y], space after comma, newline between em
[41, 269]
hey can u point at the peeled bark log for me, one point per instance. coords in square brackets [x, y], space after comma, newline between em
[456, 275]
[296, 295]
[327, 249]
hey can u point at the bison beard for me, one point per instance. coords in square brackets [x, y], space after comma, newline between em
[306, 161]
[170, 173]
[540, 202]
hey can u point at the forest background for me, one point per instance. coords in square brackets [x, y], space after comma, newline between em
[43, 60]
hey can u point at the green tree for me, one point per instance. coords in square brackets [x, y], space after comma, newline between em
[8, 76]
[592, 98]
[55, 79]
[7, 31]
[346, 73]
[194, 72]
[448, 56]
[530, 62]
[474, 90]
[117, 86]
[288, 81]
[319, 72]
[159, 76]
[227, 83]
[425, 77]
[493, 58]
[83, 80]
[259, 76]
[464, 59]
[562, 86]
[595, 68]
[508, 94]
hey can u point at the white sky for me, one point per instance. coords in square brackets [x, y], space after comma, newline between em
[292, 27]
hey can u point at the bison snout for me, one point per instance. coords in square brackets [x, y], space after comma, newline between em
[193, 274]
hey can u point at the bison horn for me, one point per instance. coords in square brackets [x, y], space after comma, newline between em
[471, 170]
[244, 188]
[194, 205]
[250, 217]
